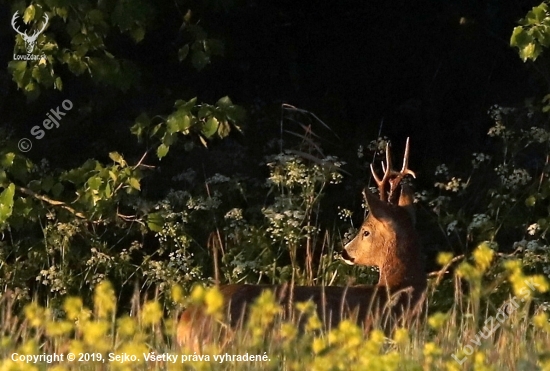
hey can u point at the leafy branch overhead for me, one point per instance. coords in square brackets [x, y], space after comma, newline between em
[75, 38]
[93, 191]
[192, 120]
[533, 34]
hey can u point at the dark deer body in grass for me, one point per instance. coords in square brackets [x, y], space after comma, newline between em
[387, 240]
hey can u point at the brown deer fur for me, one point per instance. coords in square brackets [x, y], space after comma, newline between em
[387, 240]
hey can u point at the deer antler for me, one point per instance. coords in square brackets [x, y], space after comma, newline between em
[30, 40]
[46, 19]
[392, 177]
[13, 19]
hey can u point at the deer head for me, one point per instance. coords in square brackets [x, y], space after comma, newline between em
[387, 238]
[30, 40]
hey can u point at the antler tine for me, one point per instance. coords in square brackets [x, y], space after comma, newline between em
[13, 19]
[405, 169]
[45, 23]
[394, 183]
[387, 172]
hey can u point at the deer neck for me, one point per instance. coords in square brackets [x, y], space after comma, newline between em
[403, 268]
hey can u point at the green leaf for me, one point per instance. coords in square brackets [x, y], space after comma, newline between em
[6, 203]
[134, 183]
[95, 16]
[183, 52]
[137, 33]
[155, 222]
[162, 151]
[537, 14]
[117, 157]
[210, 127]
[224, 102]
[199, 59]
[58, 83]
[520, 37]
[214, 47]
[57, 189]
[224, 129]
[531, 51]
[47, 184]
[141, 124]
[29, 14]
[6, 160]
[178, 121]
[94, 183]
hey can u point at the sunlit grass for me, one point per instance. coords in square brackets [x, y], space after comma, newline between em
[511, 335]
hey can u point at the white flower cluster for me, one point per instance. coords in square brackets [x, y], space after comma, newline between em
[479, 221]
[451, 227]
[442, 170]
[217, 179]
[344, 214]
[498, 130]
[479, 158]
[518, 177]
[100, 258]
[284, 223]
[533, 228]
[242, 265]
[421, 196]
[188, 176]
[539, 135]
[360, 151]
[454, 185]
[234, 214]
[532, 246]
[379, 145]
[497, 112]
[53, 278]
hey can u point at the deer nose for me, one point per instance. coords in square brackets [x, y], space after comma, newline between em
[347, 258]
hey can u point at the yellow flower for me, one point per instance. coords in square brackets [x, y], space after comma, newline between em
[213, 300]
[73, 307]
[541, 321]
[151, 313]
[431, 349]
[95, 333]
[197, 294]
[104, 299]
[483, 256]
[401, 336]
[318, 345]
[288, 331]
[35, 314]
[76, 347]
[437, 320]
[177, 294]
[444, 258]
[60, 328]
[313, 323]
[126, 326]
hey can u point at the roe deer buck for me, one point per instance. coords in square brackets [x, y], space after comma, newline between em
[387, 240]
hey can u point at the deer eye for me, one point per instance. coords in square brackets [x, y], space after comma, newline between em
[366, 233]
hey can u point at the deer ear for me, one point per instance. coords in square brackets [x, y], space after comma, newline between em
[377, 208]
[406, 201]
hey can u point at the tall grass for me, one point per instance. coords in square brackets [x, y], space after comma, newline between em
[474, 333]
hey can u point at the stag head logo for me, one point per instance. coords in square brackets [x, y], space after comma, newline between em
[30, 40]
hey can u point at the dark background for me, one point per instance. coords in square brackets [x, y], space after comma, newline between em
[424, 69]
